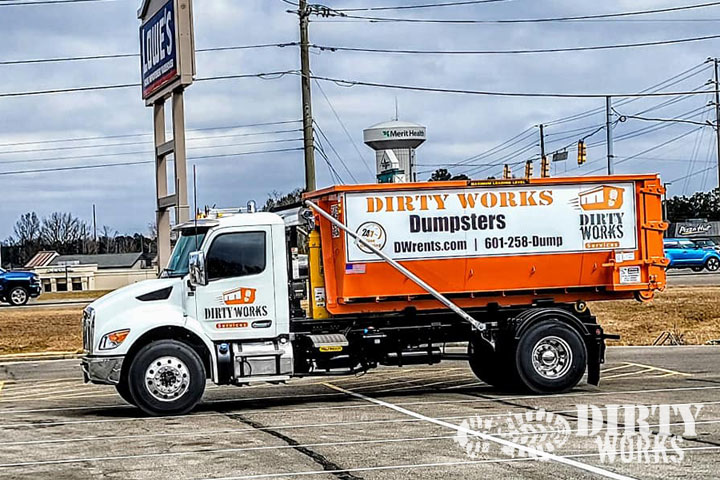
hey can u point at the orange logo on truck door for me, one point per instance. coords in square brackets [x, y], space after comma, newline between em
[603, 197]
[239, 296]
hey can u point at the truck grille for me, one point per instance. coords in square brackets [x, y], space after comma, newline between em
[88, 328]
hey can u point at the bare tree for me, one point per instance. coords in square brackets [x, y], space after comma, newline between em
[27, 229]
[61, 231]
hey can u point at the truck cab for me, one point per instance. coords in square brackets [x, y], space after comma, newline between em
[184, 325]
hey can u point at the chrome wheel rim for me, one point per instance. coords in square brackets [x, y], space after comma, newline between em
[167, 379]
[713, 264]
[552, 357]
[18, 296]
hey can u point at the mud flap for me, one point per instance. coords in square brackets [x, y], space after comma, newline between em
[597, 357]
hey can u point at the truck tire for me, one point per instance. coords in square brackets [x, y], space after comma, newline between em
[123, 389]
[166, 377]
[712, 264]
[18, 296]
[551, 357]
[491, 366]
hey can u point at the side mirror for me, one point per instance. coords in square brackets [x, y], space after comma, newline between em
[198, 273]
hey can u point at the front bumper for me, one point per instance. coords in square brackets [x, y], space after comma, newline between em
[35, 290]
[105, 370]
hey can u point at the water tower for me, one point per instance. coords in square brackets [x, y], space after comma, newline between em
[394, 143]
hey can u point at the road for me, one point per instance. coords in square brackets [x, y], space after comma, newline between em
[688, 278]
[389, 424]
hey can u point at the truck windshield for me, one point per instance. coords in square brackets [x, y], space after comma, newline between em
[187, 243]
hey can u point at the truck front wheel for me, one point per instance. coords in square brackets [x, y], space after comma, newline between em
[166, 377]
[123, 389]
[551, 357]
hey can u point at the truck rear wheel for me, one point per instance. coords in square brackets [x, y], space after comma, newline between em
[166, 377]
[551, 357]
[491, 366]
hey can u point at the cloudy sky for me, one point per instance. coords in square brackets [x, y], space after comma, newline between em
[461, 128]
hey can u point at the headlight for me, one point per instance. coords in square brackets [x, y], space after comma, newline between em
[113, 339]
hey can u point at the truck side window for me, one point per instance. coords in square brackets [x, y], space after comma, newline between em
[236, 255]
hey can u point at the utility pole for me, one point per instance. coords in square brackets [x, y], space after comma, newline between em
[309, 143]
[608, 131]
[717, 115]
[542, 140]
[94, 225]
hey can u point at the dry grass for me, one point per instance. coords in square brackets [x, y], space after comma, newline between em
[38, 329]
[693, 312]
[82, 295]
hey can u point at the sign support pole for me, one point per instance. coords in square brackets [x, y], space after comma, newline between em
[182, 208]
[162, 216]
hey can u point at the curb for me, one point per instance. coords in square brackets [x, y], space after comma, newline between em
[24, 357]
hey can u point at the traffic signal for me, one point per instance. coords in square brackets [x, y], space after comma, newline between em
[528, 169]
[545, 167]
[506, 171]
[582, 152]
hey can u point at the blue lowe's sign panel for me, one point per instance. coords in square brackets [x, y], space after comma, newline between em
[158, 50]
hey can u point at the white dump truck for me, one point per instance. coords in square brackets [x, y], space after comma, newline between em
[393, 272]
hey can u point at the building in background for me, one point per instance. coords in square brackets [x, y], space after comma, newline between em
[395, 143]
[69, 273]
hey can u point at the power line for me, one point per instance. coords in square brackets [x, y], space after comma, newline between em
[332, 147]
[127, 144]
[517, 51]
[142, 152]
[352, 83]
[347, 133]
[50, 2]
[664, 120]
[532, 20]
[85, 167]
[104, 137]
[414, 7]
[131, 55]
[267, 75]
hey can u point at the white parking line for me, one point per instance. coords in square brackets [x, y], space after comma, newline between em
[539, 454]
[413, 466]
[485, 399]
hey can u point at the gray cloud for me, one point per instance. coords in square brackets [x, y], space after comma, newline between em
[459, 126]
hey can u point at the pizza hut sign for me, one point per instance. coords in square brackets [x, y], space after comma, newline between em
[688, 230]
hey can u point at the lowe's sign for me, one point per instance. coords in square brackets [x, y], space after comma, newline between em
[158, 50]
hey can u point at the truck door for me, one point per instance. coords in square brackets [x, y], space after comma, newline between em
[239, 300]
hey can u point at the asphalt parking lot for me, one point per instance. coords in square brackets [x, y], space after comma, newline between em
[390, 423]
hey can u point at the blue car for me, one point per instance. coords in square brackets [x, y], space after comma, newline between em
[684, 253]
[17, 288]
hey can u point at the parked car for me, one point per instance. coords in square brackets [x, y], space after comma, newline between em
[707, 243]
[685, 253]
[16, 288]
